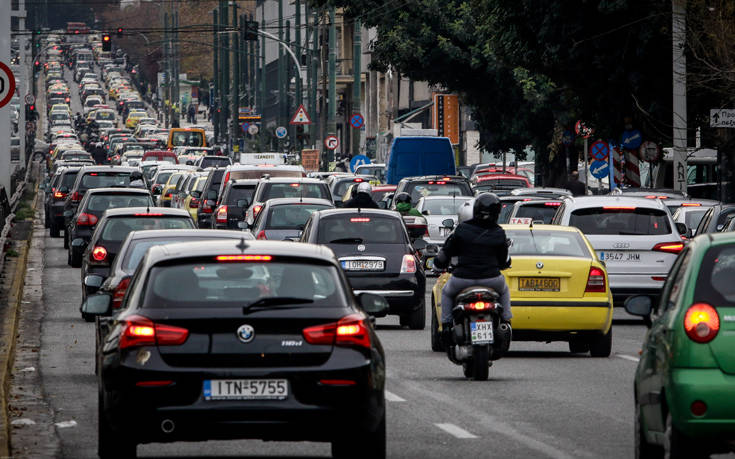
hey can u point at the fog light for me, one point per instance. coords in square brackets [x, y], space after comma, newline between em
[698, 408]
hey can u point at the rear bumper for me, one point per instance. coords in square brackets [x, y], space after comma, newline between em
[204, 220]
[404, 292]
[562, 317]
[711, 386]
[625, 285]
[621, 294]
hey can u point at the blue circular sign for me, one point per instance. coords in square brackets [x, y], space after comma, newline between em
[281, 132]
[357, 121]
[245, 127]
[599, 169]
[358, 160]
[631, 139]
[599, 150]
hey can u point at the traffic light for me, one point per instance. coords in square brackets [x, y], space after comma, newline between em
[106, 42]
[119, 32]
[249, 30]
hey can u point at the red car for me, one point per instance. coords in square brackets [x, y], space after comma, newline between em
[160, 155]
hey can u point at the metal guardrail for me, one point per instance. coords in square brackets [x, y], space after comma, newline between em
[14, 201]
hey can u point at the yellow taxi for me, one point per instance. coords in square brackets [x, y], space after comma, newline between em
[167, 190]
[133, 119]
[559, 290]
[193, 197]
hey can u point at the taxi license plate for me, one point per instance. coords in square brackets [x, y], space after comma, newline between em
[481, 332]
[621, 257]
[245, 389]
[538, 284]
[363, 265]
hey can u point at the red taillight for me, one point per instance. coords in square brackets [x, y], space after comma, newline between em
[337, 382]
[76, 197]
[86, 219]
[408, 265]
[618, 208]
[59, 195]
[348, 331]
[162, 383]
[595, 280]
[168, 194]
[222, 214]
[99, 253]
[701, 323]
[360, 219]
[480, 305]
[141, 331]
[256, 210]
[669, 247]
[244, 258]
[227, 178]
[698, 408]
[149, 214]
[261, 235]
[552, 204]
[194, 203]
[119, 293]
[358, 180]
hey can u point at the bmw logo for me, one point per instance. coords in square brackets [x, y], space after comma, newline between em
[539, 265]
[245, 333]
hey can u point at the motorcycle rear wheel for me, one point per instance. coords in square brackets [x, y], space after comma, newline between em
[480, 362]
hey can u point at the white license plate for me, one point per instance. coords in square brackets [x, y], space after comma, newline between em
[481, 332]
[443, 232]
[363, 265]
[621, 257]
[245, 389]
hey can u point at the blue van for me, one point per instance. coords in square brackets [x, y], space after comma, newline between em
[417, 156]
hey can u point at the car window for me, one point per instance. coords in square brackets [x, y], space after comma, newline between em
[240, 192]
[68, 179]
[341, 187]
[544, 212]
[443, 206]
[621, 220]
[715, 284]
[104, 179]
[116, 229]
[218, 284]
[547, 243]
[505, 211]
[673, 285]
[295, 190]
[704, 223]
[724, 216]
[442, 188]
[163, 177]
[291, 216]
[189, 139]
[102, 202]
[362, 229]
[137, 248]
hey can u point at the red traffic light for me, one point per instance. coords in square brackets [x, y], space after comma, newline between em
[119, 32]
[105, 38]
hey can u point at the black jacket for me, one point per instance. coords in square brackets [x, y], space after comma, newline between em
[481, 249]
[362, 201]
[576, 187]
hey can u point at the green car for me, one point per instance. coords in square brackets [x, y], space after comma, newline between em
[685, 380]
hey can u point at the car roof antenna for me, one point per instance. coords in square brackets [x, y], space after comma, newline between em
[242, 245]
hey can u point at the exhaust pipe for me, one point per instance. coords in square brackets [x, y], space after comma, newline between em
[167, 426]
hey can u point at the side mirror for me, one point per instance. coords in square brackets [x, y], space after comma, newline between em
[190, 163]
[242, 203]
[242, 225]
[425, 212]
[374, 305]
[156, 189]
[719, 228]
[196, 194]
[64, 189]
[68, 213]
[382, 205]
[682, 228]
[420, 244]
[640, 305]
[432, 250]
[448, 223]
[97, 305]
[93, 282]
[79, 242]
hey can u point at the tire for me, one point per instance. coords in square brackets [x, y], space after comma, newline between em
[46, 220]
[677, 445]
[601, 345]
[66, 238]
[372, 445]
[436, 337]
[578, 346]
[111, 445]
[643, 449]
[480, 362]
[416, 320]
[75, 259]
[54, 230]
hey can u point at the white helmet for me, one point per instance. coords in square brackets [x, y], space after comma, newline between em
[364, 187]
[465, 211]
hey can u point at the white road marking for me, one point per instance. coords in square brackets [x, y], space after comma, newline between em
[455, 431]
[627, 357]
[391, 397]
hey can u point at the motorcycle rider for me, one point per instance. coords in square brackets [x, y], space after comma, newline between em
[404, 207]
[362, 198]
[481, 247]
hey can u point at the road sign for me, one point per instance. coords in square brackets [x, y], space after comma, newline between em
[245, 127]
[358, 160]
[722, 118]
[310, 160]
[300, 117]
[281, 132]
[649, 151]
[599, 169]
[29, 99]
[253, 129]
[357, 121]
[582, 130]
[631, 139]
[7, 84]
[599, 150]
[445, 113]
[331, 142]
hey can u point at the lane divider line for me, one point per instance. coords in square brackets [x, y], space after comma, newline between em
[391, 397]
[627, 357]
[455, 431]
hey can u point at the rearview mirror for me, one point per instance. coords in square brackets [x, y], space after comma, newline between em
[68, 213]
[196, 194]
[92, 283]
[374, 305]
[97, 305]
[640, 305]
[242, 203]
[156, 189]
[448, 223]
[432, 250]
[420, 244]
[682, 228]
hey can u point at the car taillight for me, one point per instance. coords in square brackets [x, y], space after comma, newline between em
[59, 195]
[261, 235]
[595, 280]
[408, 265]
[119, 293]
[348, 331]
[227, 178]
[256, 210]
[194, 203]
[701, 323]
[168, 194]
[207, 207]
[222, 214]
[141, 331]
[669, 247]
[76, 197]
[99, 253]
[480, 306]
[86, 220]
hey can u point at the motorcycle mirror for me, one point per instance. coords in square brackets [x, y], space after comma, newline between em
[448, 223]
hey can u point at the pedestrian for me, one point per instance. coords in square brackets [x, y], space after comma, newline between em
[575, 186]
[192, 114]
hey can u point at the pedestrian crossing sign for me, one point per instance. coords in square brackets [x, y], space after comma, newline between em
[300, 117]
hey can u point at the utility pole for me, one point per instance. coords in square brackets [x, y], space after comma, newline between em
[332, 115]
[215, 96]
[262, 136]
[357, 81]
[167, 67]
[287, 87]
[314, 63]
[235, 88]
[281, 75]
[299, 51]
[225, 70]
[253, 45]
[678, 35]
[177, 69]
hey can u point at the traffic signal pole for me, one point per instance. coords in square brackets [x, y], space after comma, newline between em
[356, 83]
[235, 88]
[332, 111]
[215, 96]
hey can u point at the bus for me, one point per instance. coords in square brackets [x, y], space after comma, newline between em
[77, 28]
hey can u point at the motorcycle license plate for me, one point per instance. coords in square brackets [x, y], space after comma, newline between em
[481, 332]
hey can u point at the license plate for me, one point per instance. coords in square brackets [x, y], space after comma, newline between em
[429, 263]
[443, 232]
[481, 332]
[363, 265]
[621, 257]
[538, 284]
[245, 389]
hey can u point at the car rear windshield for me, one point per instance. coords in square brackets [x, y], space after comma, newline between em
[439, 187]
[117, 228]
[502, 183]
[621, 220]
[443, 206]
[547, 243]
[340, 188]
[240, 192]
[259, 172]
[210, 162]
[137, 248]
[357, 228]
[291, 216]
[295, 190]
[238, 285]
[536, 212]
[693, 217]
[187, 139]
[104, 179]
[68, 179]
[715, 284]
[163, 177]
[102, 202]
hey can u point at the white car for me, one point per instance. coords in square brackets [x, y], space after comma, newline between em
[435, 210]
[691, 215]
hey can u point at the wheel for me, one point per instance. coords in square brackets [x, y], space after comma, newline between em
[54, 229]
[46, 220]
[109, 444]
[66, 238]
[436, 336]
[480, 362]
[416, 320]
[643, 449]
[601, 345]
[75, 259]
[677, 445]
[371, 444]
[578, 346]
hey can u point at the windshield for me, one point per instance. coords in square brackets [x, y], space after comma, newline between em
[419, 189]
[221, 285]
[340, 188]
[296, 190]
[137, 248]
[621, 220]
[547, 243]
[356, 228]
[102, 202]
[104, 179]
[538, 212]
[240, 192]
[507, 184]
[291, 216]
[117, 228]
[209, 162]
[68, 179]
[163, 177]
[715, 284]
[443, 206]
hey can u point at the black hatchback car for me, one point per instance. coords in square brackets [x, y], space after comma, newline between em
[58, 191]
[377, 256]
[236, 197]
[248, 339]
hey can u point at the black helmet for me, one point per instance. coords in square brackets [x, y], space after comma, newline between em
[403, 197]
[487, 208]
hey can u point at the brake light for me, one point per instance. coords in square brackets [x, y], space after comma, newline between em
[256, 210]
[595, 280]
[669, 247]
[194, 203]
[552, 204]
[99, 253]
[360, 219]
[348, 331]
[161, 383]
[168, 194]
[358, 180]
[227, 177]
[222, 214]
[650, 196]
[701, 323]
[408, 265]
[244, 258]
[691, 204]
[119, 293]
[59, 195]
[86, 220]
[76, 197]
[618, 208]
[261, 235]
[141, 331]
[480, 306]
[295, 185]
[337, 382]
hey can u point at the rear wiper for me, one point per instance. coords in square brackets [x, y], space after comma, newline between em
[347, 240]
[629, 233]
[275, 301]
